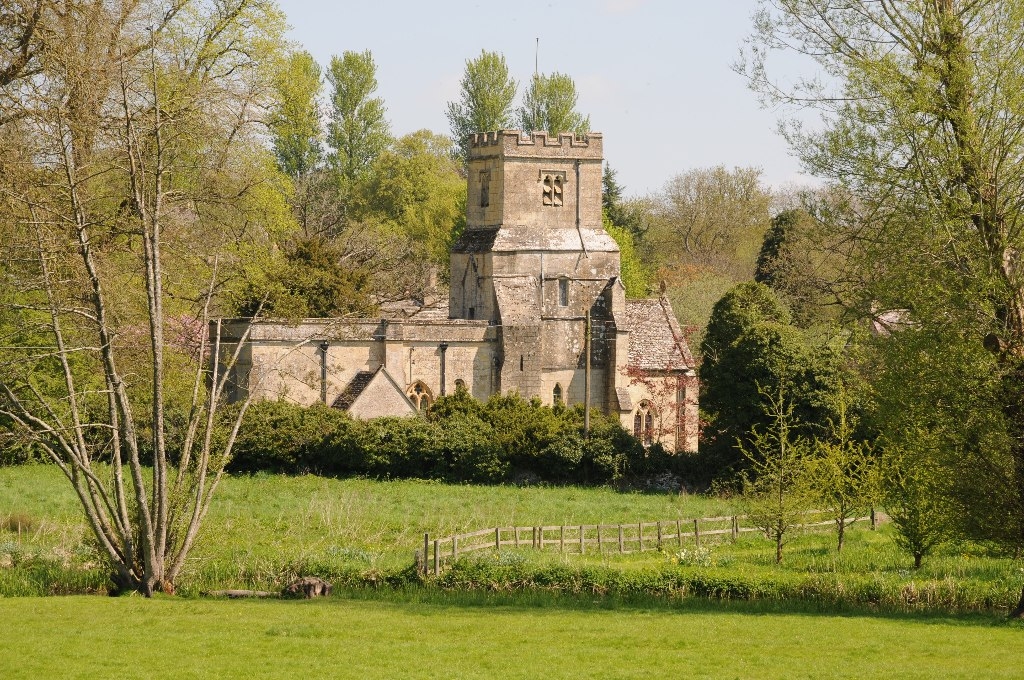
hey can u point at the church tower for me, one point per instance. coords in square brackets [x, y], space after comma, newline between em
[535, 261]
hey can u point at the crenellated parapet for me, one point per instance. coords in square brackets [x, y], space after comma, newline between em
[513, 143]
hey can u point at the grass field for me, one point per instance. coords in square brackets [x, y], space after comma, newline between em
[352, 638]
[264, 530]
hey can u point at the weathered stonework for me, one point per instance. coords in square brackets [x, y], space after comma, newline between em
[533, 264]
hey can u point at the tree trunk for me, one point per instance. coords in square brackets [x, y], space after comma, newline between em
[917, 559]
[842, 533]
[778, 548]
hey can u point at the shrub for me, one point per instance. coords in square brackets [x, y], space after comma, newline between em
[459, 440]
[277, 436]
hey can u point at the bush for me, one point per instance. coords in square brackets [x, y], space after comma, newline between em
[277, 436]
[459, 440]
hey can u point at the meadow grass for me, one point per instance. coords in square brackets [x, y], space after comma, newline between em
[264, 530]
[83, 637]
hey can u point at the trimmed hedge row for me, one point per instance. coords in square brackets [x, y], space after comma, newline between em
[507, 438]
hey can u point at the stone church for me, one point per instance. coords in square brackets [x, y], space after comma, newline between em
[535, 306]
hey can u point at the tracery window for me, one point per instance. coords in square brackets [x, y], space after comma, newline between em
[556, 394]
[419, 395]
[643, 422]
[552, 184]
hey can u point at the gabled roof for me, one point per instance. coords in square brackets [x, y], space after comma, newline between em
[656, 342]
[354, 388]
[372, 394]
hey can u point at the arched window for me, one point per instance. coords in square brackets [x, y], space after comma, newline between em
[643, 422]
[419, 395]
[556, 394]
[460, 385]
[563, 292]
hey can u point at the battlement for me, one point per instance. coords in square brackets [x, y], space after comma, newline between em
[513, 143]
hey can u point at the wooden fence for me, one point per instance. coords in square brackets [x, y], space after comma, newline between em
[583, 538]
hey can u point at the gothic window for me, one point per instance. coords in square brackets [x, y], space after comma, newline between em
[563, 292]
[556, 394]
[460, 385]
[552, 184]
[643, 423]
[419, 395]
[485, 189]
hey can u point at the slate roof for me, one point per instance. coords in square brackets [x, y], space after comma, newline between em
[656, 342]
[354, 388]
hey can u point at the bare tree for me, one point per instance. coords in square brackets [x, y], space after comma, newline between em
[135, 193]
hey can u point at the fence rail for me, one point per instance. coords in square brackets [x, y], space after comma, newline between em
[581, 538]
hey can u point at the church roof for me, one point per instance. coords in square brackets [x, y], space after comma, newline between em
[371, 394]
[656, 342]
[354, 388]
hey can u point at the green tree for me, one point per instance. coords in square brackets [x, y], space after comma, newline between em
[776, 487]
[792, 262]
[135, 206]
[750, 350]
[922, 107]
[549, 105]
[914, 494]
[485, 99]
[842, 469]
[357, 132]
[295, 117]
[636, 277]
[313, 279]
[707, 228]
[417, 186]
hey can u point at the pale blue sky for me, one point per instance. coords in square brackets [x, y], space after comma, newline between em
[654, 75]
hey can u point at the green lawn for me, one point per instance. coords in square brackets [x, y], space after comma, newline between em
[96, 637]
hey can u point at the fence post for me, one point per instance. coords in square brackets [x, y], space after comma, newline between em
[679, 532]
[515, 530]
[561, 540]
[437, 557]
[455, 546]
[599, 549]
[426, 551]
[735, 528]
[659, 535]
[497, 538]
[640, 536]
[583, 548]
[620, 539]
[696, 532]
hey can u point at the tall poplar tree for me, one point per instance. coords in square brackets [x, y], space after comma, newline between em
[357, 132]
[485, 99]
[549, 105]
[295, 116]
